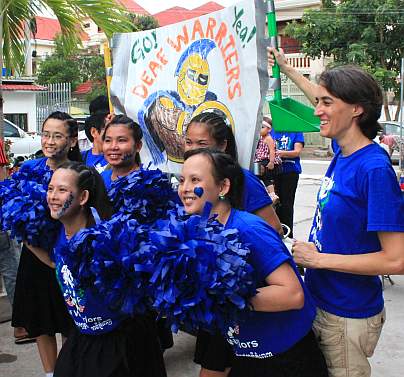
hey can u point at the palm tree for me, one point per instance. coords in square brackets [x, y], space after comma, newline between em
[17, 15]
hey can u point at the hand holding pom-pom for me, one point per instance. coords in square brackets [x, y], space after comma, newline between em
[24, 210]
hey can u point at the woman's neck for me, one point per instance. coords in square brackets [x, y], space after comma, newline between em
[122, 171]
[352, 141]
[222, 210]
[54, 163]
[73, 225]
[97, 149]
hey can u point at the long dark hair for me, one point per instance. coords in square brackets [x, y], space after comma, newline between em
[354, 86]
[129, 123]
[89, 179]
[72, 129]
[224, 166]
[218, 130]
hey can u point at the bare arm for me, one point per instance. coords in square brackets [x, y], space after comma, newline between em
[271, 146]
[283, 292]
[388, 260]
[298, 147]
[306, 86]
[41, 254]
[269, 215]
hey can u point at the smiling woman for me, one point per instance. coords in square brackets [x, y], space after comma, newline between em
[353, 238]
[122, 143]
[276, 338]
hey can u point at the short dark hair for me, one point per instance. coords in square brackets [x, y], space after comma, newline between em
[224, 166]
[353, 85]
[99, 105]
[72, 129]
[89, 179]
[129, 123]
[218, 130]
[96, 121]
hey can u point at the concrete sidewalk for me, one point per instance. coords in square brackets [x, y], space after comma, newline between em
[23, 360]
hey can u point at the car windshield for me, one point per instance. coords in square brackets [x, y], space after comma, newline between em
[392, 129]
[10, 130]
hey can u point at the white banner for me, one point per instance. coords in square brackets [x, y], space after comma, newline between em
[164, 77]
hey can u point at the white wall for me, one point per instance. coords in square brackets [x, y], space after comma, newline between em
[16, 102]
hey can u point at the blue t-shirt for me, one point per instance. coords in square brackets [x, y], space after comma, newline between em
[265, 334]
[334, 146]
[359, 197]
[255, 195]
[89, 312]
[96, 160]
[285, 141]
[107, 177]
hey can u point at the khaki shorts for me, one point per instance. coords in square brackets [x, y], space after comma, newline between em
[347, 343]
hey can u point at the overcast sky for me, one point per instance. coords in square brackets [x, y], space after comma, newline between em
[155, 6]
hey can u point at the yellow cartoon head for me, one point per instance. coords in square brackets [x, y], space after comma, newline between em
[193, 72]
[193, 80]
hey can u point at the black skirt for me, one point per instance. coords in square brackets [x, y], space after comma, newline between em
[304, 359]
[213, 352]
[131, 350]
[38, 301]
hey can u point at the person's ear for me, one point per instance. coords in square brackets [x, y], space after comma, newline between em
[225, 186]
[94, 132]
[73, 142]
[139, 146]
[224, 146]
[357, 110]
[84, 196]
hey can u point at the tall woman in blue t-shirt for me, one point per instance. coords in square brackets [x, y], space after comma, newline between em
[38, 304]
[105, 343]
[276, 339]
[358, 227]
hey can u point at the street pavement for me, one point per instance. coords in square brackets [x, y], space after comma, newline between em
[388, 361]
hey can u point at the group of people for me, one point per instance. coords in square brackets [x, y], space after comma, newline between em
[327, 325]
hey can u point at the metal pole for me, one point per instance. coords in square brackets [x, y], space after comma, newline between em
[401, 145]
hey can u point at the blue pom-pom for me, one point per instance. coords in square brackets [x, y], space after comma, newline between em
[201, 277]
[23, 208]
[146, 195]
[109, 260]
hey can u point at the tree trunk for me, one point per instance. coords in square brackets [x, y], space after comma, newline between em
[386, 107]
[397, 113]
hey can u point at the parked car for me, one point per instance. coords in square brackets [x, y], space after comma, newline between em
[391, 127]
[22, 143]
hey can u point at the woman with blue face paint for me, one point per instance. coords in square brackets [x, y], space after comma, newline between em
[276, 339]
[122, 142]
[38, 303]
[209, 130]
[353, 238]
[105, 342]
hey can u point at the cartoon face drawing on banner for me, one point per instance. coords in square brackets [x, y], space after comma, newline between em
[165, 114]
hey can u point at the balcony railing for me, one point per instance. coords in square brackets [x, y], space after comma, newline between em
[299, 61]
